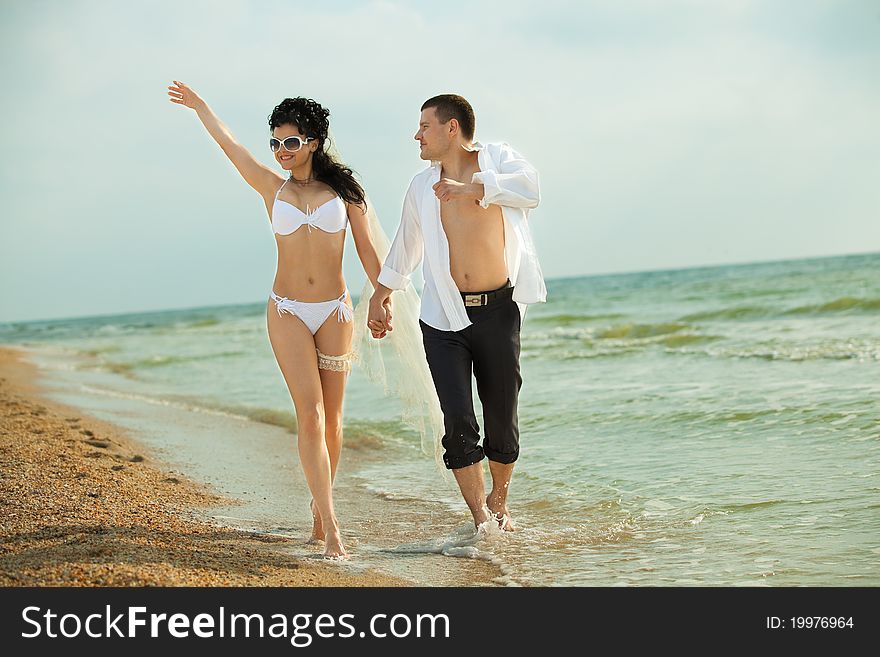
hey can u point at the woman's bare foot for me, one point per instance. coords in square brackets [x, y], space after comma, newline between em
[333, 548]
[317, 526]
[501, 514]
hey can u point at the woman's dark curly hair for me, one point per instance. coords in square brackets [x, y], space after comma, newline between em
[312, 120]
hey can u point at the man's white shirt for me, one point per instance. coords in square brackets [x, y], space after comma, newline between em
[508, 181]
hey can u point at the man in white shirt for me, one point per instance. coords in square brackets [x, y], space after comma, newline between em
[466, 217]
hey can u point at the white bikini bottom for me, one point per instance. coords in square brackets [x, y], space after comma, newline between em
[313, 314]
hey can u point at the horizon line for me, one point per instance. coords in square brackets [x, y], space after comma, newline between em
[549, 280]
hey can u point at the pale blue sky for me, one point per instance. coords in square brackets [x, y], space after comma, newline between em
[667, 133]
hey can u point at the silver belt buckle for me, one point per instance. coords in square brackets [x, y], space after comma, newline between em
[476, 299]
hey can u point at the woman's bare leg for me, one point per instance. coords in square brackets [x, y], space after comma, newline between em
[334, 339]
[333, 385]
[294, 348]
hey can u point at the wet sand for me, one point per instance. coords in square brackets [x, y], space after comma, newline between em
[84, 504]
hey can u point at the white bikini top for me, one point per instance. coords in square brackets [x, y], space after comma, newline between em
[330, 216]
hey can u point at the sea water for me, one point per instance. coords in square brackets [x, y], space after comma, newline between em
[703, 426]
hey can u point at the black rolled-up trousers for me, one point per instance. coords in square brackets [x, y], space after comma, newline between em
[489, 350]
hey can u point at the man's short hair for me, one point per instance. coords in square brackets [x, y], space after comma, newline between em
[453, 106]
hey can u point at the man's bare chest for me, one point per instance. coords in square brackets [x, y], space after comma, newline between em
[469, 219]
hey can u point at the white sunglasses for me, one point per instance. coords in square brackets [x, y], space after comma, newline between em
[291, 144]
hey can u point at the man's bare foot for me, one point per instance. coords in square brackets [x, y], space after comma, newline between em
[481, 516]
[333, 546]
[501, 515]
[317, 526]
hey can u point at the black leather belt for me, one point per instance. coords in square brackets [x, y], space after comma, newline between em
[484, 298]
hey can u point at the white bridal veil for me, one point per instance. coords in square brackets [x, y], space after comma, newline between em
[397, 362]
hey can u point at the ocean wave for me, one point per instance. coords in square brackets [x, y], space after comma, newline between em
[636, 331]
[566, 319]
[466, 543]
[678, 340]
[128, 367]
[839, 305]
[359, 434]
[585, 344]
[272, 416]
[371, 434]
[737, 312]
[201, 323]
[750, 506]
[184, 403]
[856, 350]
[614, 341]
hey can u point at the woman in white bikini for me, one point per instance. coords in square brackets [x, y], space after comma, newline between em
[310, 311]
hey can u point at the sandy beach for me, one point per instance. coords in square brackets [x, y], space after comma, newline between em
[84, 504]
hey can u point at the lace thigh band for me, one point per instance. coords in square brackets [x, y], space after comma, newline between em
[334, 363]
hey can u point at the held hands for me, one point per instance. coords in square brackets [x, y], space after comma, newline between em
[379, 317]
[183, 95]
[452, 190]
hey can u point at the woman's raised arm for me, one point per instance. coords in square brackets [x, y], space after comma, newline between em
[257, 175]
